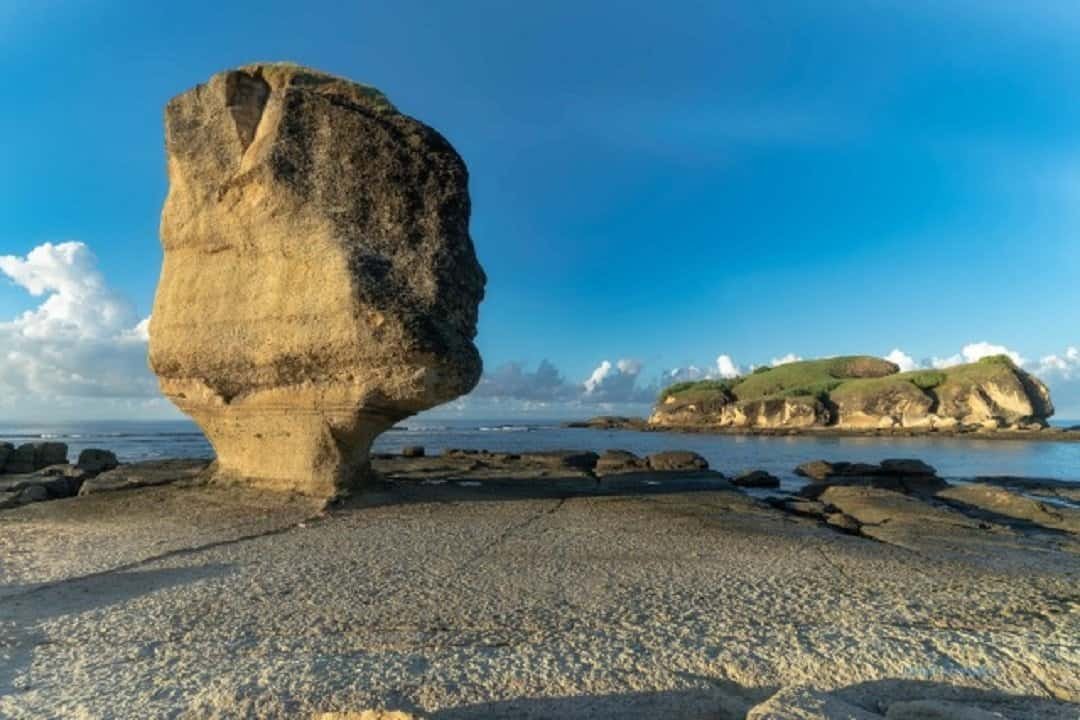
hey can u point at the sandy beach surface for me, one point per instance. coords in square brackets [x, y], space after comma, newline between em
[537, 595]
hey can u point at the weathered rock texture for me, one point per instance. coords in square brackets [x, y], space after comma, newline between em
[862, 393]
[319, 281]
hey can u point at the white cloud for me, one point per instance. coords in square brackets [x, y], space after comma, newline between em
[726, 367]
[512, 380]
[511, 388]
[616, 383]
[685, 374]
[973, 352]
[82, 341]
[1061, 373]
[1066, 365]
[902, 360]
[784, 360]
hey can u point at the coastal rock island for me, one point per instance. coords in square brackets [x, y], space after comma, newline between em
[862, 393]
[319, 281]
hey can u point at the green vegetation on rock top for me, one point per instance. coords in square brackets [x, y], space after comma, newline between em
[699, 387]
[809, 378]
[843, 376]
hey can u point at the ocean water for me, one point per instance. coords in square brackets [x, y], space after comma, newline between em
[956, 458]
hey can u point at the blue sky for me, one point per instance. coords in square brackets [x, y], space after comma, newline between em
[657, 183]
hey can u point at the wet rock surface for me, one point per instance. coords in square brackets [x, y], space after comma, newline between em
[904, 503]
[755, 479]
[677, 460]
[614, 461]
[610, 422]
[901, 475]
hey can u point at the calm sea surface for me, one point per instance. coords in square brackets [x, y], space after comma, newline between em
[953, 457]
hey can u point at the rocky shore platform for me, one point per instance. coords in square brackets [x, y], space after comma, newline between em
[544, 585]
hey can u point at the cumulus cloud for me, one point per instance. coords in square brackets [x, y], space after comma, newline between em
[726, 367]
[1066, 365]
[785, 359]
[904, 361]
[973, 352]
[616, 383]
[82, 341]
[685, 374]
[517, 388]
[1061, 372]
[512, 380]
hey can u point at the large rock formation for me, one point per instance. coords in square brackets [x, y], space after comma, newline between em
[859, 393]
[319, 282]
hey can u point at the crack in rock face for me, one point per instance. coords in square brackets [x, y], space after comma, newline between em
[245, 97]
[319, 281]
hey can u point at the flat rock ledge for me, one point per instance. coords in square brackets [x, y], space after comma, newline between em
[542, 585]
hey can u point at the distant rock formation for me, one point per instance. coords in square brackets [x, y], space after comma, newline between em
[319, 281]
[862, 393]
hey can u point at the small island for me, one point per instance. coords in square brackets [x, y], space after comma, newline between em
[857, 395]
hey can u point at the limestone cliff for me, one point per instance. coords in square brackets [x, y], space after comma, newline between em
[860, 393]
[319, 282]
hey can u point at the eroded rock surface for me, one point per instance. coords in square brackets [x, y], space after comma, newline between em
[319, 281]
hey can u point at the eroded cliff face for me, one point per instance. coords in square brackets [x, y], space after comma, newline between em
[319, 281]
[859, 394]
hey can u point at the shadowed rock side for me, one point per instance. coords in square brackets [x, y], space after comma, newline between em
[319, 281]
[862, 393]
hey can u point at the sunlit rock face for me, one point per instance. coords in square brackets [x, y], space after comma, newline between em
[319, 282]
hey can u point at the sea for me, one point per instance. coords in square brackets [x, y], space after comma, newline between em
[955, 458]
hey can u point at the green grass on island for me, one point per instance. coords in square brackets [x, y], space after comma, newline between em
[834, 378]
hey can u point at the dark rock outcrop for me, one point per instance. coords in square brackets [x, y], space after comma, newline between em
[613, 461]
[34, 456]
[681, 460]
[756, 479]
[94, 460]
[901, 475]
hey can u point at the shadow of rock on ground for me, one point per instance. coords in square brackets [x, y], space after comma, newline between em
[25, 607]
